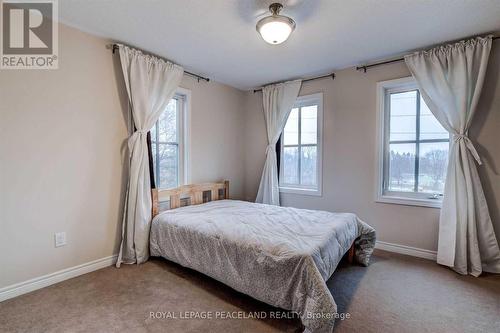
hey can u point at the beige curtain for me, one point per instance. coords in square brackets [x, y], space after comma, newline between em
[450, 79]
[150, 83]
[278, 100]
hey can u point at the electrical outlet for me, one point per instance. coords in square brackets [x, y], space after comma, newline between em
[60, 239]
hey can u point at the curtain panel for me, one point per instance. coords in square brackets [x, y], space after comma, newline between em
[450, 79]
[278, 100]
[151, 83]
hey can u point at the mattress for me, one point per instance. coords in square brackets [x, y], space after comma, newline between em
[279, 255]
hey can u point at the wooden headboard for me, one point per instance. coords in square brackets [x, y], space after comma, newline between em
[193, 192]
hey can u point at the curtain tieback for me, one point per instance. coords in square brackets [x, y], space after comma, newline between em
[134, 137]
[270, 147]
[469, 145]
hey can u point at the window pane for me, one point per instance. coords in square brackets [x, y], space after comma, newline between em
[153, 133]
[401, 167]
[168, 166]
[290, 165]
[308, 165]
[154, 147]
[168, 123]
[403, 107]
[291, 131]
[432, 168]
[309, 124]
[430, 128]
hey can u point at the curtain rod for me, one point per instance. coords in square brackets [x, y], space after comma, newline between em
[115, 47]
[332, 75]
[385, 62]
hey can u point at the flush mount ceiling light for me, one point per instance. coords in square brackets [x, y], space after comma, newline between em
[275, 29]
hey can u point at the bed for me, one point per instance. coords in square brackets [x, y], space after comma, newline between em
[279, 255]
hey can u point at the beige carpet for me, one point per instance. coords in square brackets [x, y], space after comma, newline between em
[395, 294]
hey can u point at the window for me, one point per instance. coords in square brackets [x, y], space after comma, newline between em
[413, 147]
[169, 142]
[300, 154]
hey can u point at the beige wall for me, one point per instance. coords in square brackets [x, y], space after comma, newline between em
[349, 153]
[217, 116]
[62, 155]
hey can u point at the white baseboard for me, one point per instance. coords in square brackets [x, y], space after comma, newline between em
[52, 278]
[68, 273]
[408, 250]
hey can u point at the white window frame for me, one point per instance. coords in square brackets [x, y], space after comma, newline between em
[307, 100]
[183, 97]
[384, 88]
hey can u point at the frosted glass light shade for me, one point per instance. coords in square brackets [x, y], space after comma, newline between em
[275, 29]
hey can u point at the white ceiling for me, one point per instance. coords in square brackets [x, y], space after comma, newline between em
[217, 38]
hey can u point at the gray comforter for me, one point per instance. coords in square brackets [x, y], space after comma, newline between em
[278, 255]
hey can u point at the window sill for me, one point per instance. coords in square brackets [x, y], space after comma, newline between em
[399, 200]
[300, 191]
